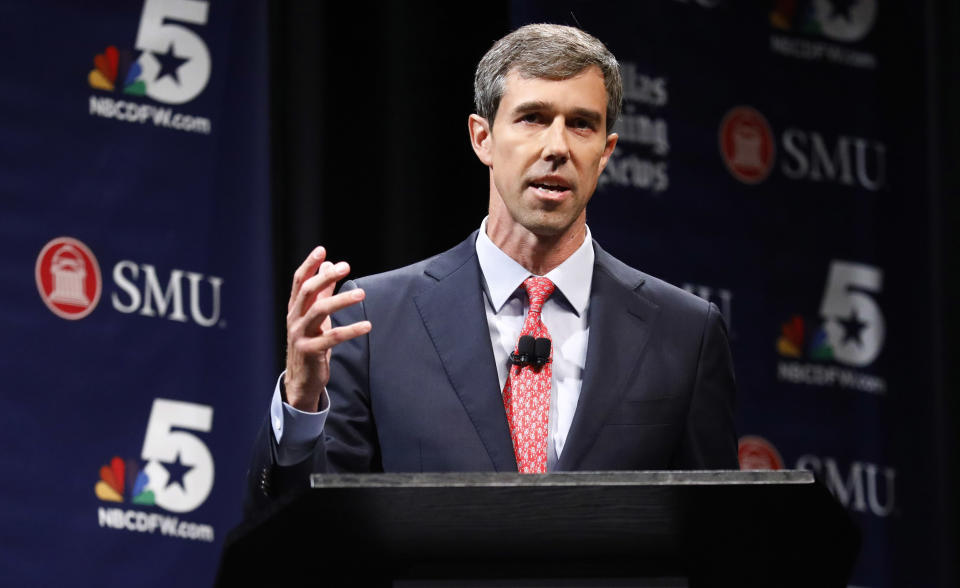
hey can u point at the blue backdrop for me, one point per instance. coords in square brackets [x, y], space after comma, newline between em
[136, 276]
[769, 160]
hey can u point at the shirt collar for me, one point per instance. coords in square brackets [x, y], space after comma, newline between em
[503, 275]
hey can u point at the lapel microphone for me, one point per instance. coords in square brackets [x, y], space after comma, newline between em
[530, 351]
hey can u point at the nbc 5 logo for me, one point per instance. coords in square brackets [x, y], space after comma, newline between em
[164, 444]
[175, 61]
[854, 324]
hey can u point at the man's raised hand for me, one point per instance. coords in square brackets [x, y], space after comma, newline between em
[310, 334]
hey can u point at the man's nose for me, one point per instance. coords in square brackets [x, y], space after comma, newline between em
[556, 149]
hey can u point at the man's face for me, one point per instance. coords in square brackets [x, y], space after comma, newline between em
[546, 150]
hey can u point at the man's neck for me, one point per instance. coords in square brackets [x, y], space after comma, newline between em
[538, 254]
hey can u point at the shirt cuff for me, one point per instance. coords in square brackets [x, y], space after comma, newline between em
[295, 431]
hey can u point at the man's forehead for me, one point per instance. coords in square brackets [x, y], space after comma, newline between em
[517, 73]
[517, 91]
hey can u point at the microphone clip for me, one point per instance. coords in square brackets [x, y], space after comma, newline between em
[532, 352]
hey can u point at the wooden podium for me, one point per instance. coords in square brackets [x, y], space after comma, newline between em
[699, 528]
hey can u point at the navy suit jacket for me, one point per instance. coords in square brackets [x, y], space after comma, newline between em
[420, 392]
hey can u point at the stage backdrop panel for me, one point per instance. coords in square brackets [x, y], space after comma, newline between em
[136, 278]
[763, 164]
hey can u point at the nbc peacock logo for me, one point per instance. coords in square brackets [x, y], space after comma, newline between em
[177, 477]
[794, 339]
[169, 61]
[841, 20]
[118, 476]
[115, 67]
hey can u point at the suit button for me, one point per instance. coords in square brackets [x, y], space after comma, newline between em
[265, 482]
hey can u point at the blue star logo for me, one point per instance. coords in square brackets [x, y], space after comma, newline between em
[169, 64]
[177, 470]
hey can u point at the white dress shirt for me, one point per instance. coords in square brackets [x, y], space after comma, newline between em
[565, 315]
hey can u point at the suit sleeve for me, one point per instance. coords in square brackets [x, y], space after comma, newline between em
[709, 439]
[348, 442]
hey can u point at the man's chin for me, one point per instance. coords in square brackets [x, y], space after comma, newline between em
[547, 226]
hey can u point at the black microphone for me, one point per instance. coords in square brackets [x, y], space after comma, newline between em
[526, 348]
[541, 352]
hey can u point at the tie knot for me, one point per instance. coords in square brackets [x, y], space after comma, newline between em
[538, 290]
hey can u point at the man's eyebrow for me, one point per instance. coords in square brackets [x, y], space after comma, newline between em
[532, 106]
[590, 115]
[539, 105]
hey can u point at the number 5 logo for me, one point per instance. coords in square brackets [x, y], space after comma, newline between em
[854, 323]
[175, 82]
[162, 444]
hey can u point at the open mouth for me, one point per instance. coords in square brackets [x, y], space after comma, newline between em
[550, 187]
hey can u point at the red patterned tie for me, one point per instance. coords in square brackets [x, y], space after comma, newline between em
[526, 395]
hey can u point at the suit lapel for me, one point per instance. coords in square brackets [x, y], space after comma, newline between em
[452, 311]
[620, 325]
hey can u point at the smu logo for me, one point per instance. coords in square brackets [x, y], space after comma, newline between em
[148, 298]
[748, 148]
[860, 486]
[747, 145]
[756, 453]
[68, 278]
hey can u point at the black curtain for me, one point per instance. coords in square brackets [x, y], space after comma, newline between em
[942, 91]
[369, 127]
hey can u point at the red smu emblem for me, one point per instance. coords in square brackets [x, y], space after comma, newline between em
[756, 453]
[746, 144]
[68, 278]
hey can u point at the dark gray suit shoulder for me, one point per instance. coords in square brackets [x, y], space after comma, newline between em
[394, 291]
[391, 287]
[661, 294]
[436, 268]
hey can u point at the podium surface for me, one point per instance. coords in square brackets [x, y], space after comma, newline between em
[662, 528]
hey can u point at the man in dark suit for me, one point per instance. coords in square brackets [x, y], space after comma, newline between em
[421, 369]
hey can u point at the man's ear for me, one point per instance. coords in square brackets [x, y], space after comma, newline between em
[480, 138]
[608, 150]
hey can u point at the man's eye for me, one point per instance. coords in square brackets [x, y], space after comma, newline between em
[531, 117]
[581, 123]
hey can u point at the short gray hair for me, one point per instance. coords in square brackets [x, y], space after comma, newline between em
[549, 51]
